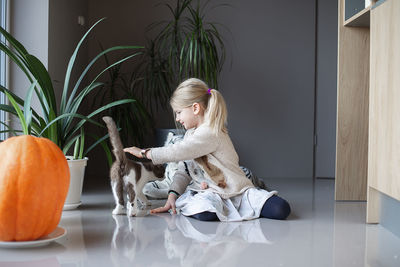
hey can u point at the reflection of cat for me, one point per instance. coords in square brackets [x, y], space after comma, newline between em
[128, 175]
[134, 239]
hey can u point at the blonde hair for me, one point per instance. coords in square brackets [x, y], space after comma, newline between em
[196, 91]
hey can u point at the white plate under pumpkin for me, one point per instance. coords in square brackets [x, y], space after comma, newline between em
[43, 241]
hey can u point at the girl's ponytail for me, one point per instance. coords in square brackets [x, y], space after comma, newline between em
[216, 114]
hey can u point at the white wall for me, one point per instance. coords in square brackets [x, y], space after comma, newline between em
[50, 31]
[29, 24]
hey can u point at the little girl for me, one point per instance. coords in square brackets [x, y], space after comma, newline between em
[223, 191]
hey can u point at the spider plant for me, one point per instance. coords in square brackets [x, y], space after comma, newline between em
[62, 124]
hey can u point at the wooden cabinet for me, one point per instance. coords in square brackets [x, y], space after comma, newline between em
[368, 116]
[352, 109]
[384, 106]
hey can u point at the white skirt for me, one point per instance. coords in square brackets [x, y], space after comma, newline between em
[246, 206]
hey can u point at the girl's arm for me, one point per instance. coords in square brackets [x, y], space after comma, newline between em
[181, 180]
[137, 152]
[201, 142]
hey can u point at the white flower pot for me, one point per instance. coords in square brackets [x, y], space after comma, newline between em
[77, 171]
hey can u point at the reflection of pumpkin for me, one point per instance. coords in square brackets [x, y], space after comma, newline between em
[34, 181]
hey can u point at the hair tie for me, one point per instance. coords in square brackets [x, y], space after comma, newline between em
[209, 91]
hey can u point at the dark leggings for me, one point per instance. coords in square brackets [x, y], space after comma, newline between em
[274, 208]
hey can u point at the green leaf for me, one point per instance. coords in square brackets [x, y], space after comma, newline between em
[19, 100]
[9, 109]
[68, 145]
[98, 141]
[66, 107]
[76, 103]
[82, 143]
[108, 106]
[19, 112]
[10, 130]
[40, 73]
[76, 148]
[27, 105]
[71, 64]
[17, 45]
[17, 59]
[69, 115]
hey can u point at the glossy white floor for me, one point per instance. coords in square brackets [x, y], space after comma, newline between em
[319, 232]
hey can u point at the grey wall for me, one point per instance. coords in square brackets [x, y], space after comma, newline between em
[326, 88]
[270, 87]
[64, 35]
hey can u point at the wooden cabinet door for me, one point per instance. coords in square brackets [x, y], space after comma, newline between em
[384, 109]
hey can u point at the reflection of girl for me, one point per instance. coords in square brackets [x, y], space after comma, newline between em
[227, 194]
[215, 244]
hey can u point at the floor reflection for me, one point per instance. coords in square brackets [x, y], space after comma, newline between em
[188, 241]
[196, 243]
[75, 254]
[46, 256]
[134, 239]
[323, 232]
[46, 262]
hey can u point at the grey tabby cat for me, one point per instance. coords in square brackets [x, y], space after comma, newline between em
[128, 175]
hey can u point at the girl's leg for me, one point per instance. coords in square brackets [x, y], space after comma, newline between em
[275, 208]
[205, 216]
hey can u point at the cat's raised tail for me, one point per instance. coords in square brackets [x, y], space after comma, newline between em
[115, 139]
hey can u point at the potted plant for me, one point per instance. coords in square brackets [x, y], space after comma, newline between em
[132, 117]
[62, 124]
[185, 46]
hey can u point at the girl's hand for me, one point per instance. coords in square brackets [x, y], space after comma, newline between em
[134, 151]
[203, 185]
[170, 204]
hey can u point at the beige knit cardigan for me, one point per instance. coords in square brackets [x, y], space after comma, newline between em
[218, 151]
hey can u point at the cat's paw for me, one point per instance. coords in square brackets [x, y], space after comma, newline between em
[119, 210]
[131, 211]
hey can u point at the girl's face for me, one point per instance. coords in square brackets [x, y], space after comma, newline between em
[190, 117]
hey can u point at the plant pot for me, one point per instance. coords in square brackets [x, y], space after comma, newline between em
[77, 171]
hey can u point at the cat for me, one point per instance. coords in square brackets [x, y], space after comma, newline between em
[129, 175]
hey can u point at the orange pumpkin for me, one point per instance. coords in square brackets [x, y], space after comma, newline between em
[34, 181]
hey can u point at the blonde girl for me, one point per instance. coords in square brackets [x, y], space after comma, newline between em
[221, 191]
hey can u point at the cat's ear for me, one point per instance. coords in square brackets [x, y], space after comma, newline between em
[169, 138]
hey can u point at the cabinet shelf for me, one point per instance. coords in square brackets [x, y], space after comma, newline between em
[361, 19]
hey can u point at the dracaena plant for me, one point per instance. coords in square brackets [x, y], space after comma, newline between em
[131, 118]
[187, 45]
[62, 124]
